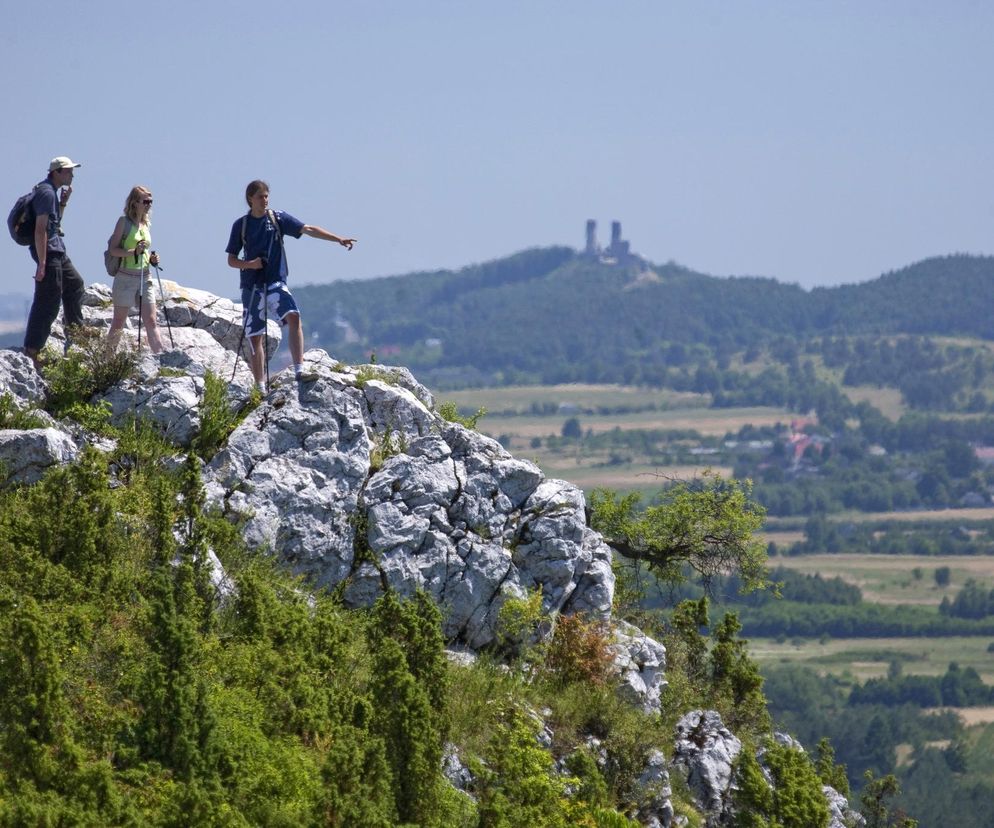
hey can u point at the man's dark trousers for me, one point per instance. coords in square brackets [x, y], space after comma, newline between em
[62, 285]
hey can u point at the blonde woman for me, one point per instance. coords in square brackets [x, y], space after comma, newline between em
[131, 242]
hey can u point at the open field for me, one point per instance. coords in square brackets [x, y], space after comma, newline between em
[970, 715]
[714, 422]
[783, 540]
[521, 423]
[890, 579]
[522, 398]
[977, 513]
[776, 526]
[864, 658]
[889, 401]
[630, 477]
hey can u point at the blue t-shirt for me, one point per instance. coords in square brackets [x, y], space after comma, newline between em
[261, 239]
[46, 200]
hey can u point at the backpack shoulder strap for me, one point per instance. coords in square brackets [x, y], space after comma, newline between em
[276, 224]
[244, 224]
[128, 224]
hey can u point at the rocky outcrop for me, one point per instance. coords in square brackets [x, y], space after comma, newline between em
[641, 665]
[705, 752]
[840, 814]
[352, 479]
[19, 379]
[655, 808]
[26, 455]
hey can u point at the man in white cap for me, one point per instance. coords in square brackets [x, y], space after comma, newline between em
[56, 280]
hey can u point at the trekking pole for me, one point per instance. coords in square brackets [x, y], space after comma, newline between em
[162, 297]
[141, 296]
[241, 338]
[265, 318]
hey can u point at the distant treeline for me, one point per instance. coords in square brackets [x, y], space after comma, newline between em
[959, 687]
[550, 315]
[791, 619]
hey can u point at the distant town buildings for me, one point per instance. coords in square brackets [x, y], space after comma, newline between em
[619, 251]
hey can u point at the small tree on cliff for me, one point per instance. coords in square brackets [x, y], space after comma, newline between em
[706, 525]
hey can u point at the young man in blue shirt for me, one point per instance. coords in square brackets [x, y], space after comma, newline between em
[259, 236]
[56, 280]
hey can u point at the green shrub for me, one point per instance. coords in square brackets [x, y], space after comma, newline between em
[365, 373]
[217, 419]
[13, 416]
[140, 446]
[795, 799]
[386, 445]
[91, 367]
[92, 416]
[518, 620]
[518, 784]
[449, 412]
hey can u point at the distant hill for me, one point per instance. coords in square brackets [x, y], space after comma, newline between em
[554, 315]
[14, 306]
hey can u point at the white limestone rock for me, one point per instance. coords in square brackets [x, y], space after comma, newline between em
[294, 470]
[393, 408]
[705, 751]
[641, 665]
[840, 813]
[171, 403]
[19, 378]
[25, 455]
[219, 317]
[655, 806]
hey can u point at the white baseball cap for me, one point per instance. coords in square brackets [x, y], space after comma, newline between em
[62, 163]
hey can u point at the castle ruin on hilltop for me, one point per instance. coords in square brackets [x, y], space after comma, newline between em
[618, 252]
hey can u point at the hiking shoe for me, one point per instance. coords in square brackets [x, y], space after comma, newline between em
[305, 376]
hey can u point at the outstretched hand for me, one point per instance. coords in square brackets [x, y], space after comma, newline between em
[347, 243]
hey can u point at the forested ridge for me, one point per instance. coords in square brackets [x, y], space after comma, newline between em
[530, 317]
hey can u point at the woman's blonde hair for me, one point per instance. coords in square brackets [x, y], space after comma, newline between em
[131, 205]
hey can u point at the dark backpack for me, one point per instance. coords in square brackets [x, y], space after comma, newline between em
[21, 220]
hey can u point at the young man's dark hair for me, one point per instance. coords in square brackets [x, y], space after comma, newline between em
[56, 280]
[254, 187]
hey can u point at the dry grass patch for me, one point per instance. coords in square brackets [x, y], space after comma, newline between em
[709, 422]
[969, 715]
[583, 395]
[889, 401]
[890, 579]
[860, 659]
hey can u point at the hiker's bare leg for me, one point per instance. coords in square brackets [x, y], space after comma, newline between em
[117, 324]
[295, 337]
[257, 360]
[151, 327]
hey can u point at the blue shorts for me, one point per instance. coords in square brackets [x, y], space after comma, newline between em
[280, 304]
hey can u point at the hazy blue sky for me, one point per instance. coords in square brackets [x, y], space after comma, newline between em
[814, 142]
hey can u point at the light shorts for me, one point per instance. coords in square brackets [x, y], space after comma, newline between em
[124, 292]
[279, 301]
